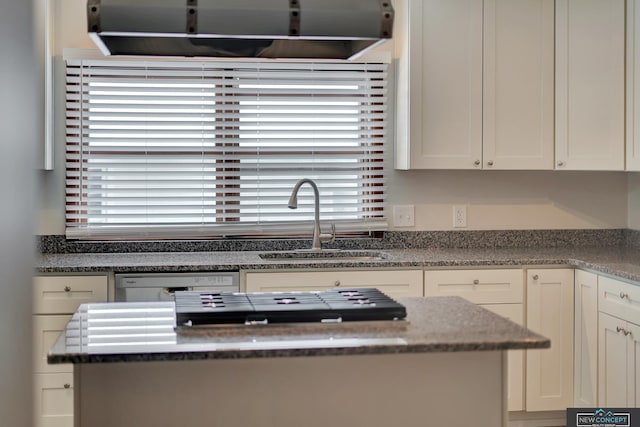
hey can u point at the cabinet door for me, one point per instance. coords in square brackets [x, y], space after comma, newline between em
[585, 384]
[53, 400]
[590, 84]
[633, 366]
[518, 79]
[612, 362]
[46, 330]
[441, 102]
[515, 358]
[395, 283]
[477, 286]
[550, 313]
[63, 294]
[633, 86]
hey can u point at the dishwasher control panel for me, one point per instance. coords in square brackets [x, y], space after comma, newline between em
[162, 286]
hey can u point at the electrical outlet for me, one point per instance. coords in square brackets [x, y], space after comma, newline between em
[403, 216]
[459, 216]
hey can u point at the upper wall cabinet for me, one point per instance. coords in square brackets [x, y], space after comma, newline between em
[590, 84]
[460, 108]
[633, 85]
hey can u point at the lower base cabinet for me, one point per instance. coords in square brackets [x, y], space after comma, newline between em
[539, 380]
[585, 371]
[499, 291]
[618, 344]
[53, 399]
[549, 372]
[515, 374]
[55, 298]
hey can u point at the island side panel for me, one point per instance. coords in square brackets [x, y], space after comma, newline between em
[417, 389]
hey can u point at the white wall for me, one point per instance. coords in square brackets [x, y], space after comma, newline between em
[495, 199]
[633, 183]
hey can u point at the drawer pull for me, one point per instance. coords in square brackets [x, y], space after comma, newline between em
[67, 386]
[624, 295]
[623, 330]
[336, 283]
[535, 277]
[67, 288]
[476, 281]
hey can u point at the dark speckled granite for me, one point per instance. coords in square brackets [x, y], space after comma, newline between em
[390, 240]
[436, 324]
[621, 262]
[632, 238]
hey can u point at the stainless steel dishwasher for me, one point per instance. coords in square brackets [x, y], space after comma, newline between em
[161, 286]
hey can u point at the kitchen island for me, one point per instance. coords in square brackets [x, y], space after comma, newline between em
[444, 365]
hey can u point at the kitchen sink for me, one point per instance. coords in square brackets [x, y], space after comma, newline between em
[327, 254]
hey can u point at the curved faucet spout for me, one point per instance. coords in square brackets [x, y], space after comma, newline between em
[293, 204]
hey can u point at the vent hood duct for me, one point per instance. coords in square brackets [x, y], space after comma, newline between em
[331, 29]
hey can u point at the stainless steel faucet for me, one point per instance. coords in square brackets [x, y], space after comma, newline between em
[318, 237]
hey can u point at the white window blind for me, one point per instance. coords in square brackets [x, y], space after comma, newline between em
[194, 149]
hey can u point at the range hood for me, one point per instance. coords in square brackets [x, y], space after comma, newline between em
[331, 29]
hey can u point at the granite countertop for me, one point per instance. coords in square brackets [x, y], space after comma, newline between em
[618, 261]
[146, 332]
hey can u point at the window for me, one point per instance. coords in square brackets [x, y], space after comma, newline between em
[198, 149]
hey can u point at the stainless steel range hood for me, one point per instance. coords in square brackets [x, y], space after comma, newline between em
[337, 29]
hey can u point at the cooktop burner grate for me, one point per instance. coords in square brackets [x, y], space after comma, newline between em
[212, 307]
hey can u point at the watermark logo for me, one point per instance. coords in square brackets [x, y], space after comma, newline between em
[603, 417]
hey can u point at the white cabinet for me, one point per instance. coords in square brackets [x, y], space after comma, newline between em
[585, 384]
[53, 400]
[515, 363]
[549, 372]
[395, 283]
[443, 119]
[55, 299]
[497, 290]
[590, 84]
[518, 84]
[618, 344]
[633, 86]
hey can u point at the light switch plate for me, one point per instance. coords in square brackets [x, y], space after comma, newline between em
[404, 216]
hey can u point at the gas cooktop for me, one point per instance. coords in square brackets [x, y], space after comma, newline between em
[335, 305]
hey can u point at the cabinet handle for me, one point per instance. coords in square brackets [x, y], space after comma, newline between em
[67, 288]
[623, 330]
[477, 163]
[67, 386]
[624, 295]
[535, 277]
[490, 163]
[560, 163]
[476, 281]
[336, 283]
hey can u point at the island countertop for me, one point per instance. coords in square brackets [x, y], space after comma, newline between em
[129, 332]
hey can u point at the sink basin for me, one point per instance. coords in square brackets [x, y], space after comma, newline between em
[328, 254]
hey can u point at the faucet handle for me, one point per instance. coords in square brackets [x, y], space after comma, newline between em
[329, 237]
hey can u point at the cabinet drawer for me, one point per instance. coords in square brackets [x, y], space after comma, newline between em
[477, 286]
[395, 283]
[53, 400]
[63, 294]
[619, 299]
[46, 330]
